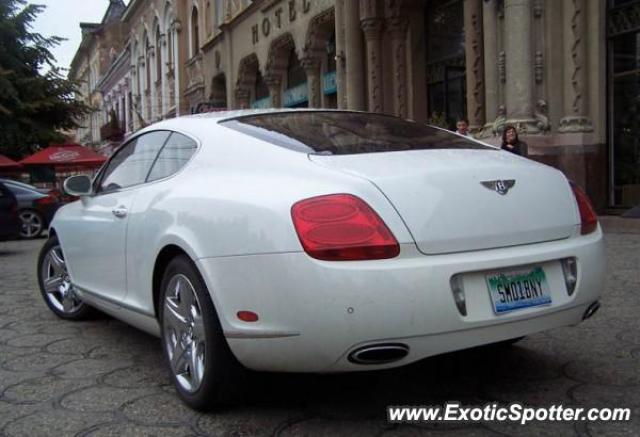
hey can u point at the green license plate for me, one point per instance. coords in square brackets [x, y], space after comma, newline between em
[517, 289]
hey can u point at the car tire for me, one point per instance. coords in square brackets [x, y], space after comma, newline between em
[55, 285]
[202, 367]
[31, 224]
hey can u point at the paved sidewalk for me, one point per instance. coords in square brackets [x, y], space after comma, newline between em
[103, 378]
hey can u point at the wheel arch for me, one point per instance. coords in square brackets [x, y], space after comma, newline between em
[166, 254]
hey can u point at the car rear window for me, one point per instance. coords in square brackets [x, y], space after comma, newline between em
[347, 133]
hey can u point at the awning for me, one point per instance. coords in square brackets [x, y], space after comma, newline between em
[8, 164]
[65, 155]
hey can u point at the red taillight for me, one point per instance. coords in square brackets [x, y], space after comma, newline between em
[588, 217]
[342, 227]
[49, 200]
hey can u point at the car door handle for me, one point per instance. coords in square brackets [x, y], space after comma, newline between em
[120, 212]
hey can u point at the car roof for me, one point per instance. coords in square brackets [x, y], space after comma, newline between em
[196, 120]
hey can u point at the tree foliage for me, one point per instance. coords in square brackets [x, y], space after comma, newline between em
[34, 106]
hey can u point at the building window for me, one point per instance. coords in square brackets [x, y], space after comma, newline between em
[217, 14]
[158, 54]
[195, 32]
[295, 73]
[147, 63]
[207, 18]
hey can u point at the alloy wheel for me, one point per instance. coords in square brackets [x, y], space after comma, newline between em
[184, 333]
[57, 285]
[30, 224]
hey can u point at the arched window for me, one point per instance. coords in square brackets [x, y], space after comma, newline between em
[147, 62]
[217, 14]
[158, 54]
[295, 72]
[207, 18]
[170, 48]
[136, 64]
[195, 33]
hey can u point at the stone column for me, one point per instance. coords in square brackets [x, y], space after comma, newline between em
[311, 67]
[474, 59]
[575, 68]
[397, 25]
[371, 25]
[340, 54]
[353, 56]
[274, 83]
[519, 65]
[490, 37]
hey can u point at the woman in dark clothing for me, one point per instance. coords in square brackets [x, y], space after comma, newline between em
[511, 143]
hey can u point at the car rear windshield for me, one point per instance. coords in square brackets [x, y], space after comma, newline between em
[346, 133]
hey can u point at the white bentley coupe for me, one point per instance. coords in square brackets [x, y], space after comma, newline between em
[319, 241]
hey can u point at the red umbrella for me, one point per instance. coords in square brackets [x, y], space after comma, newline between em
[8, 164]
[65, 155]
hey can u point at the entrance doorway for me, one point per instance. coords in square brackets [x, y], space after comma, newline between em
[446, 72]
[624, 102]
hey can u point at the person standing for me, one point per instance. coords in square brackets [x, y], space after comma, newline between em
[462, 127]
[511, 143]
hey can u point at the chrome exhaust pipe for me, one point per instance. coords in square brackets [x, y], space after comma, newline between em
[591, 310]
[379, 353]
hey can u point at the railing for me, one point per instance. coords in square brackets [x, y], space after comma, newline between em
[194, 71]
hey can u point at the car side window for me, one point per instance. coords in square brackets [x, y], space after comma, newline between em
[131, 164]
[174, 155]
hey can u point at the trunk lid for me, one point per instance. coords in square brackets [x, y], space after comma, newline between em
[441, 197]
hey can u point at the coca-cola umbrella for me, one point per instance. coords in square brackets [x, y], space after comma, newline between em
[66, 155]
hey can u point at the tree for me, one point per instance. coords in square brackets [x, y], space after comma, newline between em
[34, 106]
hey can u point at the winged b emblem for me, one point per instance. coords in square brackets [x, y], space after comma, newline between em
[499, 186]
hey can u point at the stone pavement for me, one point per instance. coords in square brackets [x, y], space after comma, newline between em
[102, 378]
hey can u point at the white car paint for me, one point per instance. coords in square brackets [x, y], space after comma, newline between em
[229, 209]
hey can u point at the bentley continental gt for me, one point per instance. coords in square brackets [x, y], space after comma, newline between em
[319, 241]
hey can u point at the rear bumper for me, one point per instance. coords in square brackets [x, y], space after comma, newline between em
[314, 313]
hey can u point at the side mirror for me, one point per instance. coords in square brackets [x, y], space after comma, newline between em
[79, 185]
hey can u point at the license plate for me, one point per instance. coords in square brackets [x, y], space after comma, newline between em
[517, 289]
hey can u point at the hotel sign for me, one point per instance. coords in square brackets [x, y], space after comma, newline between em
[279, 15]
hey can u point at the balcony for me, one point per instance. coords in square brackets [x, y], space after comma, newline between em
[195, 78]
[111, 131]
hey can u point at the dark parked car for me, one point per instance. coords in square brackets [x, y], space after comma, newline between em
[9, 220]
[36, 207]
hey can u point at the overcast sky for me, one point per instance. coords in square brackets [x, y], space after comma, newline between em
[62, 18]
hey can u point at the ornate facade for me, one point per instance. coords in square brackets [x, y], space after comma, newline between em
[537, 64]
